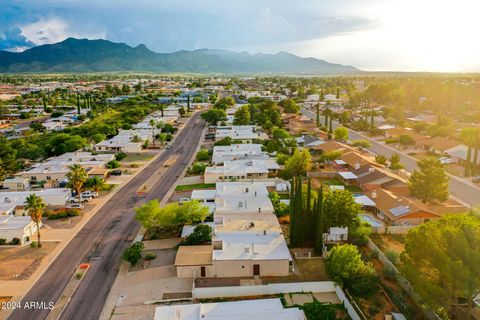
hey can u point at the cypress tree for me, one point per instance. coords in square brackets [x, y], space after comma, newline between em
[293, 220]
[308, 213]
[326, 118]
[317, 108]
[78, 103]
[300, 225]
[319, 223]
[330, 127]
[44, 103]
[188, 103]
[372, 120]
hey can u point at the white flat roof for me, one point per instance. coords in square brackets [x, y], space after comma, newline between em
[14, 223]
[233, 310]
[347, 175]
[364, 201]
[244, 245]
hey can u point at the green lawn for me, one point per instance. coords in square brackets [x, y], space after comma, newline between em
[186, 187]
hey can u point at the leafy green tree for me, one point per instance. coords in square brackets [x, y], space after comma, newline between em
[198, 168]
[8, 163]
[361, 144]
[133, 254]
[227, 141]
[406, 140]
[430, 182]
[441, 261]
[113, 164]
[37, 127]
[298, 164]
[98, 137]
[213, 116]
[280, 134]
[330, 156]
[182, 110]
[395, 162]
[341, 133]
[202, 234]
[152, 216]
[203, 155]
[289, 106]
[77, 176]
[35, 207]
[341, 210]
[345, 266]
[242, 116]
[224, 103]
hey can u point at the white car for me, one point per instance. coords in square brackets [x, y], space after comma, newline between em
[75, 206]
[81, 200]
[445, 160]
[88, 194]
[182, 200]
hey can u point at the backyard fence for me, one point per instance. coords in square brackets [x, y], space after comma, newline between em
[277, 288]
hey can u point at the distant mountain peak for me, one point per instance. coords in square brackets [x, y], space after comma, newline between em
[84, 55]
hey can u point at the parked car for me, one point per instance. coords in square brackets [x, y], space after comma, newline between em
[89, 193]
[81, 200]
[75, 206]
[168, 146]
[182, 200]
[446, 160]
[476, 179]
[116, 172]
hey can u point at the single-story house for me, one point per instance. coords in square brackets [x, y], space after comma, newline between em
[22, 228]
[459, 154]
[436, 145]
[235, 310]
[257, 169]
[236, 254]
[399, 210]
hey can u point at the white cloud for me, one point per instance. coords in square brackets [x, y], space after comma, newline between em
[54, 30]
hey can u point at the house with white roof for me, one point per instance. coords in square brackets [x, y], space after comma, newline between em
[236, 254]
[13, 201]
[257, 169]
[125, 141]
[55, 169]
[13, 227]
[231, 310]
[238, 152]
[246, 134]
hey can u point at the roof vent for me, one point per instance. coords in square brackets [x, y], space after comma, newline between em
[374, 194]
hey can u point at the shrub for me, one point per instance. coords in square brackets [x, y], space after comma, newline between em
[63, 213]
[134, 165]
[392, 256]
[150, 256]
[14, 241]
[133, 253]
[380, 159]
[78, 276]
[3, 241]
[113, 164]
[198, 168]
[34, 244]
[120, 156]
[201, 234]
[203, 155]
[388, 273]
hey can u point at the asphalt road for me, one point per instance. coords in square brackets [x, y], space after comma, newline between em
[104, 238]
[460, 189]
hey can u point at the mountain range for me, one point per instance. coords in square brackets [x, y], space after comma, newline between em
[82, 55]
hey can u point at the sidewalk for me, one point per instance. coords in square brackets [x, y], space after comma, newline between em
[16, 288]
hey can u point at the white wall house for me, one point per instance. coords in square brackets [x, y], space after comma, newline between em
[237, 152]
[246, 134]
[125, 141]
[22, 228]
[16, 199]
[258, 169]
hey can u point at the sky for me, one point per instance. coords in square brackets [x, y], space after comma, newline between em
[374, 35]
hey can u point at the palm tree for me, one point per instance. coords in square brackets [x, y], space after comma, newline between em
[35, 207]
[153, 125]
[77, 176]
[96, 183]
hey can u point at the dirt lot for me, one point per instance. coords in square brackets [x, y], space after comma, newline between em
[389, 242]
[65, 223]
[306, 270]
[20, 262]
[164, 258]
